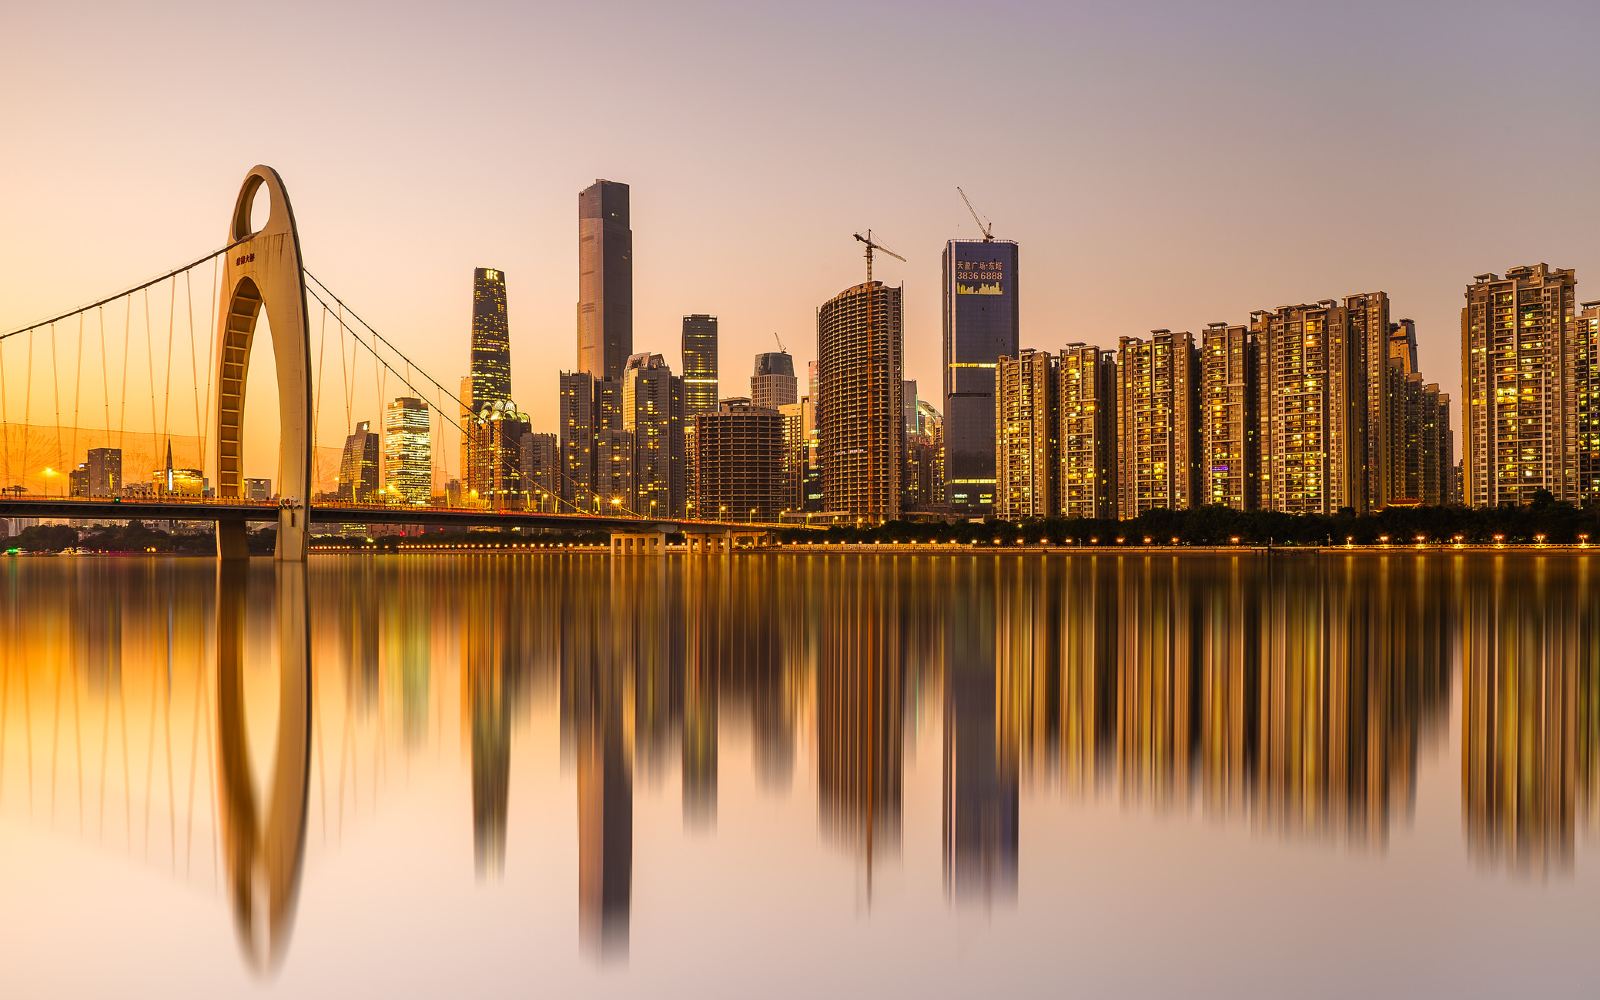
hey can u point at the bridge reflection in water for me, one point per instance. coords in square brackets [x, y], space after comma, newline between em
[1294, 697]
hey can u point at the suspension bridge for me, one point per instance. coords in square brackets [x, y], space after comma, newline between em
[258, 272]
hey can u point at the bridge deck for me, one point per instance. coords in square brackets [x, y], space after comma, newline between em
[267, 511]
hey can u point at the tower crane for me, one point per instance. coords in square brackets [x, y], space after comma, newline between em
[984, 225]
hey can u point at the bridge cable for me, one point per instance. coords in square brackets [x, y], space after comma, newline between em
[211, 368]
[105, 379]
[55, 387]
[194, 371]
[5, 421]
[166, 389]
[125, 292]
[27, 409]
[77, 395]
[122, 405]
[316, 404]
[150, 366]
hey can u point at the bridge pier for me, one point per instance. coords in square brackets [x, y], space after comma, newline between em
[638, 543]
[233, 540]
[722, 541]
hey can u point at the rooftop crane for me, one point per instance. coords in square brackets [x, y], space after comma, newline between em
[779, 339]
[984, 225]
[873, 504]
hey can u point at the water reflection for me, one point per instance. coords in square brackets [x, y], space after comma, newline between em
[1293, 697]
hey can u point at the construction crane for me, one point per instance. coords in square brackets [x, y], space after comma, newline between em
[873, 507]
[984, 225]
[781, 348]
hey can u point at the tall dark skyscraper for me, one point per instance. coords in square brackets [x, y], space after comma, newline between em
[980, 327]
[773, 383]
[699, 364]
[605, 280]
[491, 338]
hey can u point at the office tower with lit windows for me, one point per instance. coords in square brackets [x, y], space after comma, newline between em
[1311, 409]
[358, 467]
[699, 364]
[652, 412]
[605, 281]
[407, 454]
[258, 489]
[1523, 377]
[773, 383]
[1228, 426]
[495, 475]
[1026, 425]
[541, 472]
[578, 417]
[1158, 426]
[1587, 336]
[981, 324]
[741, 462]
[794, 454]
[924, 476]
[860, 365]
[1086, 438]
[491, 339]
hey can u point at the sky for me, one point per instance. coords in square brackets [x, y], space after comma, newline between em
[1160, 164]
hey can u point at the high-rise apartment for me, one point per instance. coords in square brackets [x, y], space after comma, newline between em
[1026, 425]
[1086, 440]
[923, 480]
[860, 351]
[358, 466]
[1588, 367]
[980, 326]
[1373, 428]
[605, 280]
[1158, 426]
[541, 471]
[773, 383]
[741, 462]
[1311, 409]
[491, 339]
[577, 417]
[652, 411]
[794, 454]
[407, 453]
[104, 468]
[1523, 377]
[1228, 427]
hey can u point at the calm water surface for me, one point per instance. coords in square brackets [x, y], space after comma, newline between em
[801, 775]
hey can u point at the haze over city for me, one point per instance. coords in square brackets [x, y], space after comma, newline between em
[1159, 165]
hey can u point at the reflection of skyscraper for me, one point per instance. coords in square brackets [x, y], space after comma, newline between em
[860, 708]
[981, 324]
[980, 776]
[605, 279]
[491, 338]
[1528, 713]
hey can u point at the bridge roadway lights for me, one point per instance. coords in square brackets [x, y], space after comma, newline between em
[264, 271]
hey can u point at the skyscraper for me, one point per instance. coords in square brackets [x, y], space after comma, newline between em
[699, 364]
[1228, 366]
[358, 467]
[860, 345]
[1026, 425]
[773, 383]
[1086, 441]
[794, 454]
[578, 419]
[491, 339]
[605, 280]
[1311, 409]
[495, 474]
[541, 471]
[652, 411]
[1373, 430]
[1158, 427]
[1522, 376]
[980, 326]
[407, 455]
[104, 467]
[741, 462]
[923, 481]
[1588, 350]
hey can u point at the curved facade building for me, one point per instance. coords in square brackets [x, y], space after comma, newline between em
[860, 372]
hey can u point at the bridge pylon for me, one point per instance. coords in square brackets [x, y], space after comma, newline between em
[263, 270]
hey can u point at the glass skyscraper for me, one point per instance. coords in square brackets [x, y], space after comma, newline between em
[407, 455]
[699, 364]
[491, 339]
[605, 280]
[980, 327]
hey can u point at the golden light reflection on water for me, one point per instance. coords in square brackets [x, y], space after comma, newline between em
[218, 724]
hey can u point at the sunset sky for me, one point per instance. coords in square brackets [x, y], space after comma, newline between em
[1161, 165]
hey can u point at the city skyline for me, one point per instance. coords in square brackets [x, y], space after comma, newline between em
[1081, 191]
